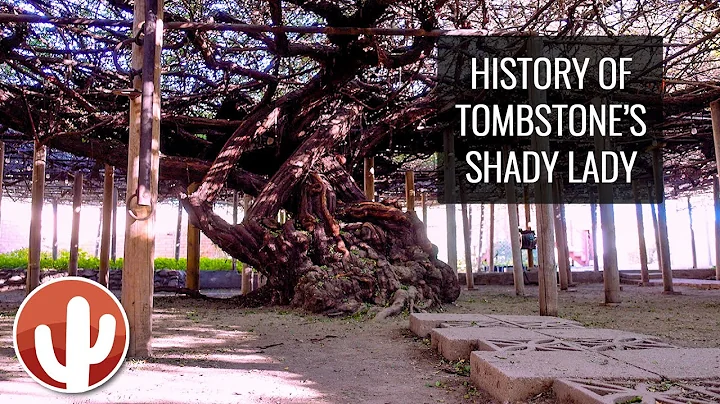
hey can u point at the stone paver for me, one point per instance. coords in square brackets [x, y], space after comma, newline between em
[422, 323]
[605, 339]
[516, 376]
[456, 343]
[706, 284]
[673, 364]
[537, 322]
[583, 391]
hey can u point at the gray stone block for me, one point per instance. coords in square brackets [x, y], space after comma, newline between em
[673, 364]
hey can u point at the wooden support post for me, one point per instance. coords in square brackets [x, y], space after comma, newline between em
[567, 243]
[2, 175]
[513, 222]
[491, 241]
[38, 195]
[692, 235]
[113, 237]
[75, 232]
[611, 273]
[656, 229]
[246, 284]
[560, 242]
[235, 221]
[594, 225]
[98, 235]
[108, 189]
[467, 238]
[55, 229]
[716, 205]
[423, 201]
[547, 275]
[658, 171]
[138, 265]
[526, 200]
[715, 116]
[410, 190]
[369, 183]
[644, 275]
[449, 176]
[192, 278]
[480, 238]
[178, 231]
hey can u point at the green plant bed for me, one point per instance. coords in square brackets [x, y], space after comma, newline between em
[19, 259]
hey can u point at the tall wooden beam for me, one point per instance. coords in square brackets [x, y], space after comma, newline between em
[235, 221]
[656, 229]
[55, 229]
[192, 275]
[423, 202]
[716, 205]
[491, 240]
[547, 275]
[38, 194]
[467, 238]
[594, 225]
[178, 231]
[75, 231]
[692, 234]
[113, 237]
[514, 225]
[560, 239]
[659, 174]
[410, 190]
[526, 200]
[2, 174]
[108, 189]
[715, 116]
[246, 281]
[567, 243]
[369, 178]
[644, 275]
[449, 177]
[138, 269]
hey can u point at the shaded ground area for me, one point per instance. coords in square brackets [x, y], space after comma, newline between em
[210, 352]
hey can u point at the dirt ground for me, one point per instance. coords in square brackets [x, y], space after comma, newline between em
[208, 352]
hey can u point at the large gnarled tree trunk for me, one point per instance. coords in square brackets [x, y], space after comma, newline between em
[337, 251]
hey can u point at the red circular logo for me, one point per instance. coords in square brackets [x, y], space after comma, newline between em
[71, 335]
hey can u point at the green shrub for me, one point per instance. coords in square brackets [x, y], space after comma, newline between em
[19, 259]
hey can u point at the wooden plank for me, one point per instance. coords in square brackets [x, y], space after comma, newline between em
[644, 275]
[692, 235]
[369, 178]
[192, 275]
[32, 280]
[410, 190]
[108, 189]
[547, 275]
[656, 229]
[75, 231]
[138, 268]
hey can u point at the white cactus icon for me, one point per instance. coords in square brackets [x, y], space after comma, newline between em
[78, 353]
